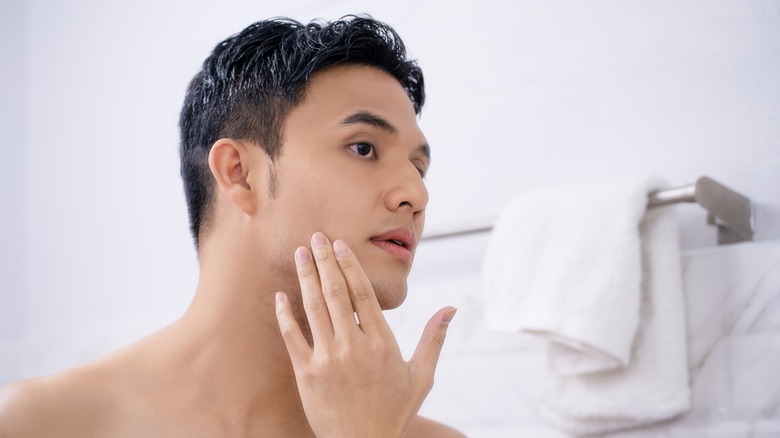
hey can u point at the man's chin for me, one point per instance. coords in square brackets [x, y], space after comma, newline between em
[390, 294]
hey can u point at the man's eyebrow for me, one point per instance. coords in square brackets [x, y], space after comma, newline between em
[369, 118]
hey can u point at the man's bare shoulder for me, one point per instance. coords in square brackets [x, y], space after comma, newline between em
[52, 406]
[422, 427]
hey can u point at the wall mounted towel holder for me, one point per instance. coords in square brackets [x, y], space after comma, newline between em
[731, 212]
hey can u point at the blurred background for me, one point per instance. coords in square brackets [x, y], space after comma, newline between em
[94, 243]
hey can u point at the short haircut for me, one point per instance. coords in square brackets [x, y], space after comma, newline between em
[252, 80]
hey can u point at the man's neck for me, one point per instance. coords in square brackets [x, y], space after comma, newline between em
[237, 366]
[233, 363]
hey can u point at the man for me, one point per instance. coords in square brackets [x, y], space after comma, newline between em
[303, 164]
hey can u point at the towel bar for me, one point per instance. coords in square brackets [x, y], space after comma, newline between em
[729, 211]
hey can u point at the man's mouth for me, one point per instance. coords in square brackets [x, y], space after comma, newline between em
[399, 243]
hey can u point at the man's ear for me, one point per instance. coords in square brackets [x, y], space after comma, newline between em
[230, 163]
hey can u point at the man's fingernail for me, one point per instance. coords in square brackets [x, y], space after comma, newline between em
[340, 248]
[318, 240]
[448, 316]
[302, 255]
[279, 298]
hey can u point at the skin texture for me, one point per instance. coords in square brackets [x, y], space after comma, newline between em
[246, 360]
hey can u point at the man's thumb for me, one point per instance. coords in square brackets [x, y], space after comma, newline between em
[426, 355]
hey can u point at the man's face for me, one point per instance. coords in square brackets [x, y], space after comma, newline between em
[351, 166]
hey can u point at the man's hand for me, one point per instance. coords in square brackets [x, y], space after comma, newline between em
[354, 381]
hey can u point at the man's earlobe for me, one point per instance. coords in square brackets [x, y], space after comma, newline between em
[229, 161]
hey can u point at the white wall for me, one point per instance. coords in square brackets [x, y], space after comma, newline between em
[12, 188]
[95, 249]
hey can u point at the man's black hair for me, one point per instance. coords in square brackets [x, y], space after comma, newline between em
[252, 80]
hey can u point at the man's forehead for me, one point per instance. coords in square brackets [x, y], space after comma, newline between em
[357, 85]
[353, 95]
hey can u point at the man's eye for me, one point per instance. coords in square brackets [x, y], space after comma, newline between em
[363, 149]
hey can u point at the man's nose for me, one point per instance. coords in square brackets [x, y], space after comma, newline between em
[407, 190]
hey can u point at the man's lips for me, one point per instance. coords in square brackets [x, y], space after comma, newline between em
[399, 242]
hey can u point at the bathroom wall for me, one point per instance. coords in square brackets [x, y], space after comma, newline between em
[490, 384]
[95, 250]
[12, 192]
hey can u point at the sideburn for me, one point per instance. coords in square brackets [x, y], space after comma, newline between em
[273, 180]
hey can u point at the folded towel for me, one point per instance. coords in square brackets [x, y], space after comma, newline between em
[588, 269]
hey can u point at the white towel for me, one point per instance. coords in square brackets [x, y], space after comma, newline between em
[588, 269]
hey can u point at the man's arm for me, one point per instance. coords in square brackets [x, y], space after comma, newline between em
[353, 382]
[421, 427]
[24, 410]
[53, 406]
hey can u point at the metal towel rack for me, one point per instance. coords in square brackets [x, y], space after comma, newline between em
[730, 212]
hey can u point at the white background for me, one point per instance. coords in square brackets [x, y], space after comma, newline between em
[94, 243]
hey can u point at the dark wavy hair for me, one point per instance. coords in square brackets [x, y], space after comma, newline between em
[252, 80]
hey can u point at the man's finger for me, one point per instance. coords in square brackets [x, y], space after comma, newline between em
[361, 291]
[334, 286]
[311, 294]
[297, 347]
[426, 355]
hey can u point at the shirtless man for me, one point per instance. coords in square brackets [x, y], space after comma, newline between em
[302, 163]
